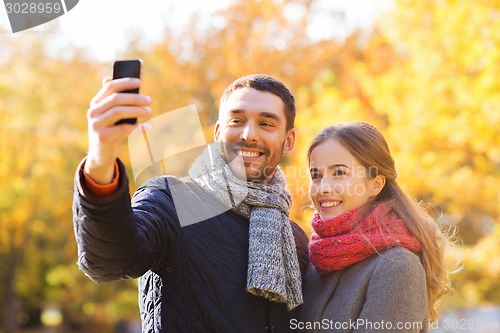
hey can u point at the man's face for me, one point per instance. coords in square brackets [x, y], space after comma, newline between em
[253, 122]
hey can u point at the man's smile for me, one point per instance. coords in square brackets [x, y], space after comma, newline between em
[249, 154]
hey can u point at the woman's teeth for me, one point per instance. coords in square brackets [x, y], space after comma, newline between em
[328, 204]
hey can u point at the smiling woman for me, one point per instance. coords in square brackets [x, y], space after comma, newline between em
[381, 255]
[342, 186]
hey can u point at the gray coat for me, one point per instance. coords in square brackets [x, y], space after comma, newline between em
[378, 294]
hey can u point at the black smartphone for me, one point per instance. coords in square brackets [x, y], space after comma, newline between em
[127, 68]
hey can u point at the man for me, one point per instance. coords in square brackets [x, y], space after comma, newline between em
[236, 270]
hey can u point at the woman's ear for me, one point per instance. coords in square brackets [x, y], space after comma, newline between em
[376, 185]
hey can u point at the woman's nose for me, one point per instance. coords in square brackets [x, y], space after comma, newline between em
[325, 187]
[329, 187]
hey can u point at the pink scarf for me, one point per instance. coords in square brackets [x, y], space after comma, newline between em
[347, 239]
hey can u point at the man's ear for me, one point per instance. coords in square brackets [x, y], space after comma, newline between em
[289, 142]
[376, 185]
[217, 132]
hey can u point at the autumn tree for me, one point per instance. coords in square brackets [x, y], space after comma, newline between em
[426, 76]
[42, 138]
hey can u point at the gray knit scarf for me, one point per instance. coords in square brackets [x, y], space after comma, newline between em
[273, 267]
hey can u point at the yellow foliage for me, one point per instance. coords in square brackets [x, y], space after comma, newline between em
[427, 77]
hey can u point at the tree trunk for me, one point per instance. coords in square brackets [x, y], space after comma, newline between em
[8, 306]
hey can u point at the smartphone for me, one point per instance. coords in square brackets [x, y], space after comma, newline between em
[127, 68]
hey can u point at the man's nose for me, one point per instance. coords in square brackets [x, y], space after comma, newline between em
[250, 132]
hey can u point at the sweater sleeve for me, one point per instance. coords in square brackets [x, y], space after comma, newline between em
[118, 238]
[396, 299]
[100, 190]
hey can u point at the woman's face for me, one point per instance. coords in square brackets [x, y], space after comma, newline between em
[339, 183]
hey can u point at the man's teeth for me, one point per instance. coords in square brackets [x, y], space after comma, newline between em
[249, 154]
[327, 204]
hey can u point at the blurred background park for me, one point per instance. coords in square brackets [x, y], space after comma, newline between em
[426, 73]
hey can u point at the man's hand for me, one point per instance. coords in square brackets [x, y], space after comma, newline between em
[106, 108]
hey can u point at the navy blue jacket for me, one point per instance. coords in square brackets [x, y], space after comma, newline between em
[193, 277]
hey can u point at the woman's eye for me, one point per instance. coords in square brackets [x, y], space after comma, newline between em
[315, 176]
[338, 173]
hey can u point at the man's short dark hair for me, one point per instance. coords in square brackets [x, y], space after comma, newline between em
[265, 83]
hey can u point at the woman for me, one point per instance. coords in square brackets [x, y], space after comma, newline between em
[377, 257]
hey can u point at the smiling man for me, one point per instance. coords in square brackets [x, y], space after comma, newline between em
[235, 271]
[259, 123]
